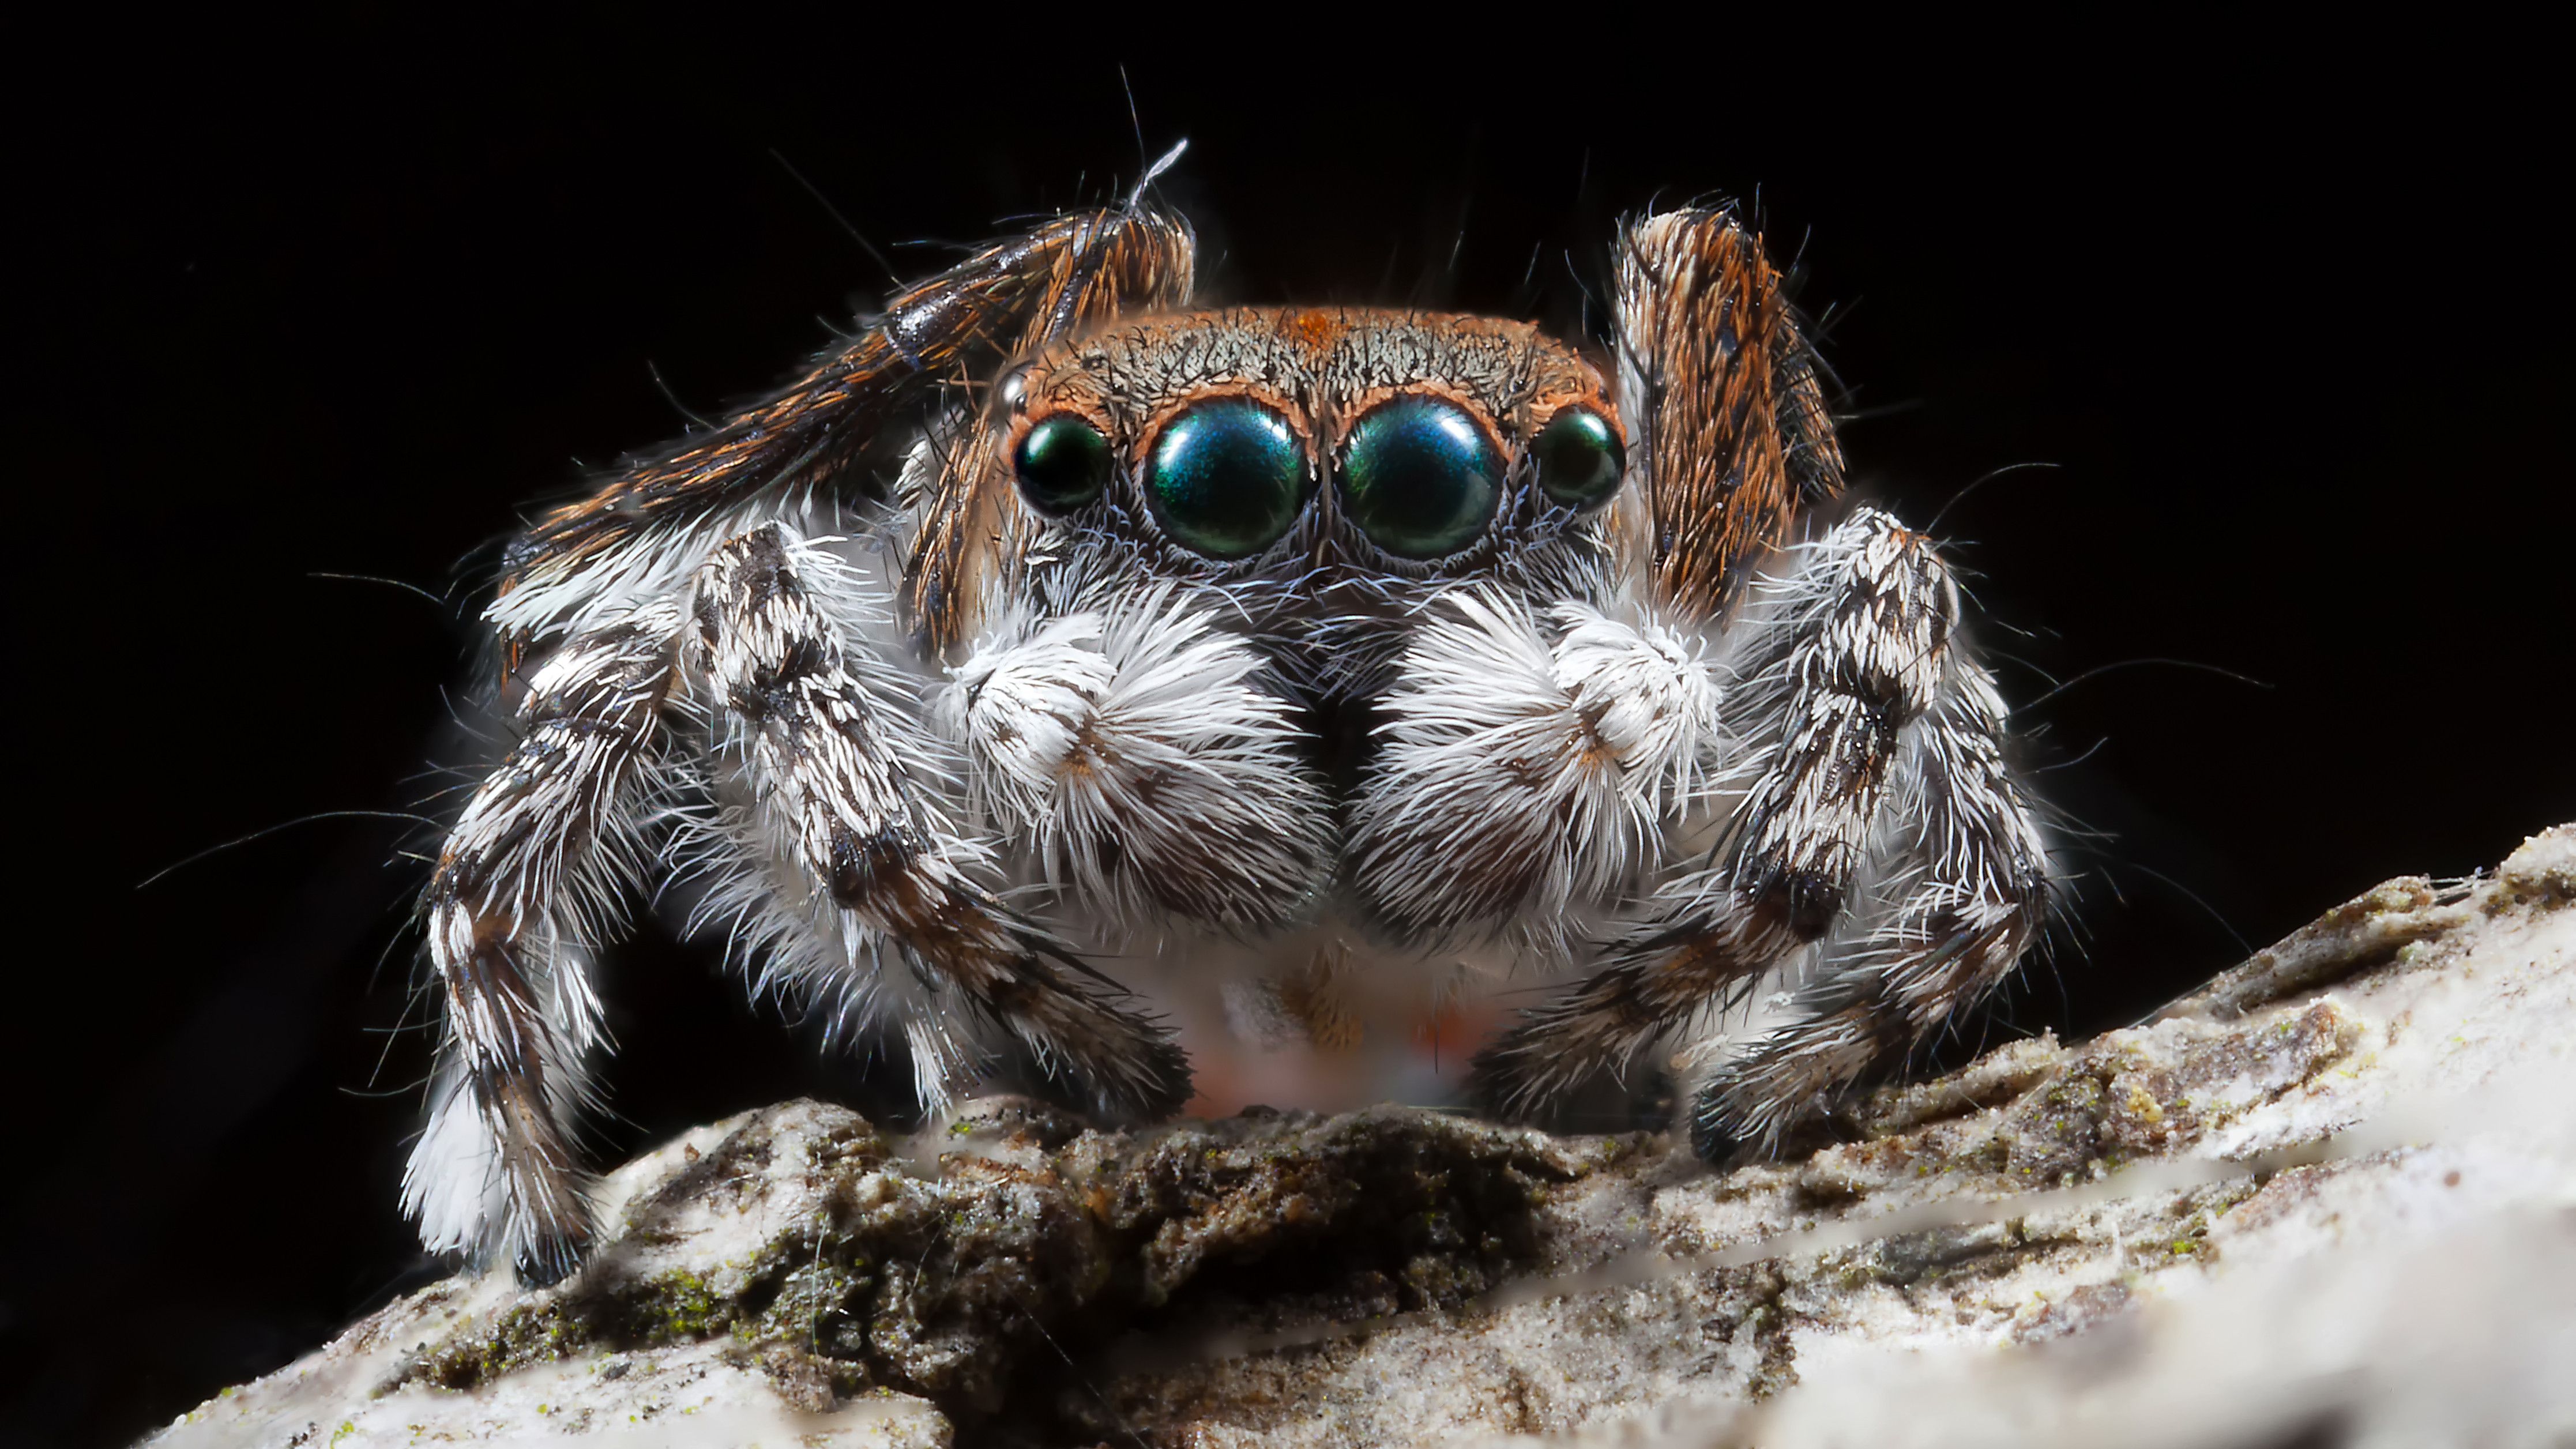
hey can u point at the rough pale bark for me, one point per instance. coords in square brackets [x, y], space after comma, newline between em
[2329, 1198]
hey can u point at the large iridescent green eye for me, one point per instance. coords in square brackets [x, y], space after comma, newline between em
[1580, 460]
[1420, 478]
[1226, 478]
[1062, 463]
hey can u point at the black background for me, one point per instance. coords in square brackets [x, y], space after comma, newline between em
[2289, 323]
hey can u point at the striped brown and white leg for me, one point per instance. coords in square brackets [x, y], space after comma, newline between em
[1956, 893]
[1849, 665]
[1729, 441]
[845, 830]
[528, 885]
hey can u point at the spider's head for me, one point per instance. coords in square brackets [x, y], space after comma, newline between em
[1314, 465]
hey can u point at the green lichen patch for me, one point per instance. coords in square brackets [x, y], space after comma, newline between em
[536, 1331]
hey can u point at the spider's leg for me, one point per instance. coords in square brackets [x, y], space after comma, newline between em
[815, 433]
[1141, 751]
[1958, 890]
[1650, 983]
[845, 805]
[526, 887]
[1847, 662]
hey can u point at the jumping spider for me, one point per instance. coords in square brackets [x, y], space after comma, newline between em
[1305, 672]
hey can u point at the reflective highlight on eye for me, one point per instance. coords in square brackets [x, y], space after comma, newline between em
[1420, 478]
[1580, 460]
[1226, 478]
[1062, 463]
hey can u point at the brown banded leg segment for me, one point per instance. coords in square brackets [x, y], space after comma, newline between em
[840, 802]
[1002, 302]
[1723, 397]
[1725, 409]
[1848, 656]
[1651, 983]
[526, 886]
[1962, 894]
[1855, 659]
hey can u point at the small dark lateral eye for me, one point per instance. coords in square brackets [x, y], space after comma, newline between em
[1062, 464]
[1226, 478]
[1580, 461]
[1420, 478]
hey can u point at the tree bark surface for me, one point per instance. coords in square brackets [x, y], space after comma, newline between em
[2329, 1198]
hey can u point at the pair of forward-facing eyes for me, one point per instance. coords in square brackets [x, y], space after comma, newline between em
[1228, 476]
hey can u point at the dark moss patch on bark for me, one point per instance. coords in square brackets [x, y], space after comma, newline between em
[1022, 1249]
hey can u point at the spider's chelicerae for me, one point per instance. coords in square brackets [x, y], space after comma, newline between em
[1058, 675]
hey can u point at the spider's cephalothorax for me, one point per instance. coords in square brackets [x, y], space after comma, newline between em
[1312, 674]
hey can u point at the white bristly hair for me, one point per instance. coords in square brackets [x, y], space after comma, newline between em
[786, 934]
[1139, 754]
[533, 879]
[1559, 752]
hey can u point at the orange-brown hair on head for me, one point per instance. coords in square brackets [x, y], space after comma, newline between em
[1318, 368]
[1313, 330]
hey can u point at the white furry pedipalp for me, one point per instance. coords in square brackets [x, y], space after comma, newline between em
[1558, 761]
[1649, 694]
[1148, 768]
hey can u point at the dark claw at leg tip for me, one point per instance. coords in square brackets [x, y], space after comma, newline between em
[544, 1268]
[1712, 1140]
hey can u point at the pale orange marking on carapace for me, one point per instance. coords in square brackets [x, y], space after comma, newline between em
[1311, 329]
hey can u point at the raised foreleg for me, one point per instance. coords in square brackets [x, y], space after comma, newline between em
[1957, 892]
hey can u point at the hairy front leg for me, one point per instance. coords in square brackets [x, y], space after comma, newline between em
[526, 885]
[1843, 658]
[1959, 892]
[815, 433]
[844, 801]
